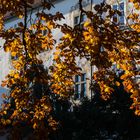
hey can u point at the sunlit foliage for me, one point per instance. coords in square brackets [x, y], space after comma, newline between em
[100, 40]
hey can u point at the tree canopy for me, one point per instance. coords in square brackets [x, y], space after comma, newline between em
[100, 40]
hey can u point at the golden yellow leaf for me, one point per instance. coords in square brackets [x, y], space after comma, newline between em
[20, 16]
[16, 75]
[13, 54]
[86, 23]
[35, 125]
[117, 83]
[129, 87]
[8, 121]
[5, 112]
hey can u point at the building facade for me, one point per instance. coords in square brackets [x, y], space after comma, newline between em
[70, 10]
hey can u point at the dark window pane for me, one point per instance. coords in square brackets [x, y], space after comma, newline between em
[76, 96]
[77, 91]
[115, 19]
[121, 6]
[122, 13]
[77, 78]
[115, 7]
[76, 20]
[77, 88]
[83, 90]
[83, 77]
[122, 19]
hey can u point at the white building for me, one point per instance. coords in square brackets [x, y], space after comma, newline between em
[70, 10]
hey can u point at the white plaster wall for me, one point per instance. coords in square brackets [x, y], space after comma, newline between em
[4, 68]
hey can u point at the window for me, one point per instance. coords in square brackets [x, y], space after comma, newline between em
[77, 19]
[80, 86]
[116, 17]
[121, 7]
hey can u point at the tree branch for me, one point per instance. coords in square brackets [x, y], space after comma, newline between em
[24, 30]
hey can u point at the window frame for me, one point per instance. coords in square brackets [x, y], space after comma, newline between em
[122, 10]
[78, 93]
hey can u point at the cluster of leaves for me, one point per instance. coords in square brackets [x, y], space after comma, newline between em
[105, 44]
[29, 101]
[134, 16]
